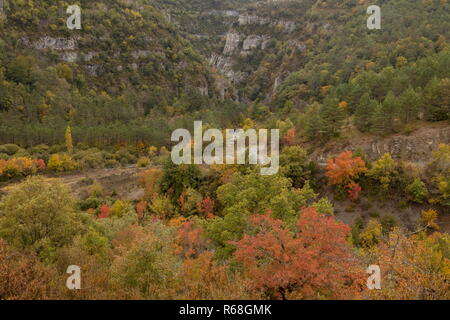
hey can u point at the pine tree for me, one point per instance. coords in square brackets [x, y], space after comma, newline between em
[69, 141]
[409, 105]
[332, 117]
[312, 123]
[384, 115]
[363, 113]
[437, 99]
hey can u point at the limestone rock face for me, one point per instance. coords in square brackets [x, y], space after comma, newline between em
[246, 19]
[52, 43]
[251, 42]
[232, 43]
[224, 13]
[416, 147]
[69, 56]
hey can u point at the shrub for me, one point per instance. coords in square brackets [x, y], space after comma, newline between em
[20, 167]
[417, 191]
[121, 208]
[143, 162]
[9, 149]
[96, 190]
[62, 163]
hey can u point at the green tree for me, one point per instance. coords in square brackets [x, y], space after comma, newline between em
[255, 194]
[417, 190]
[176, 178]
[39, 215]
[332, 117]
[409, 105]
[363, 114]
[295, 165]
[384, 115]
[384, 171]
[437, 99]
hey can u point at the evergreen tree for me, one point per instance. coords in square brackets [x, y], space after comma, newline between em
[332, 117]
[385, 114]
[409, 105]
[312, 121]
[363, 113]
[437, 99]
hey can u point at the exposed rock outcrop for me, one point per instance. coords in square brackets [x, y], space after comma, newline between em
[52, 43]
[232, 43]
[246, 19]
[416, 147]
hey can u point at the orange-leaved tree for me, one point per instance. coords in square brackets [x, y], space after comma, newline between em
[344, 170]
[314, 261]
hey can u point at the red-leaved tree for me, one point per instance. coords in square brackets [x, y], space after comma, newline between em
[104, 212]
[344, 170]
[313, 262]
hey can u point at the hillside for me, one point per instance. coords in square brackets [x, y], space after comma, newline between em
[359, 176]
[126, 63]
[269, 48]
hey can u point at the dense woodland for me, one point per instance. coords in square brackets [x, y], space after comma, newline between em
[109, 96]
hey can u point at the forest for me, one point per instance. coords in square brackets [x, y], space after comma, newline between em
[87, 178]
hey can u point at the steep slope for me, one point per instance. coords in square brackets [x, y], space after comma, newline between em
[327, 40]
[126, 62]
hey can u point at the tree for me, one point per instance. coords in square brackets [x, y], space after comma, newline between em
[417, 190]
[104, 212]
[295, 166]
[21, 70]
[371, 234]
[384, 171]
[69, 141]
[39, 215]
[146, 265]
[345, 169]
[254, 194]
[354, 191]
[437, 99]
[384, 115]
[176, 178]
[23, 276]
[149, 180]
[409, 105]
[312, 262]
[363, 114]
[312, 122]
[415, 267]
[332, 117]
[429, 219]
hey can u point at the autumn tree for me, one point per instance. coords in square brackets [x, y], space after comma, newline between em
[414, 267]
[69, 141]
[313, 262]
[344, 170]
[23, 276]
[149, 180]
[145, 264]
